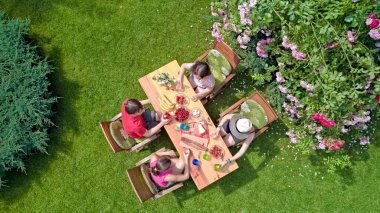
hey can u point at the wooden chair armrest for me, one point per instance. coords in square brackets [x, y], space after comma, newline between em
[137, 147]
[116, 117]
[232, 107]
[166, 191]
[146, 159]
[200, 58]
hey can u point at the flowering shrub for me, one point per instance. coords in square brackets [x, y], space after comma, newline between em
[318, 62]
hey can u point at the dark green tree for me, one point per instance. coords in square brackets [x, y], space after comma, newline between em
[25, 100]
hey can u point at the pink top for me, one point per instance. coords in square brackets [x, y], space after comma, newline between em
[159, 179]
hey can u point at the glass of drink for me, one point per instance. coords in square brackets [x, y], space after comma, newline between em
[196, 162]
[206, 156]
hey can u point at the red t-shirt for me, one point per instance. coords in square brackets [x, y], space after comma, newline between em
[134, 126]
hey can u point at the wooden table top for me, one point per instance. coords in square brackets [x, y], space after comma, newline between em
[204, 174]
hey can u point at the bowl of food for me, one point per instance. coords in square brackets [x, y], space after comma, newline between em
[196, 112]
[181, 114]
[181, 99]
[217, 152]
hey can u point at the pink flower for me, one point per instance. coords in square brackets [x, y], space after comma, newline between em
[283, 89]
[291, 97]
[332, 147]
[294, 140]
[374, 33]
[252, 3]
[246, 38]
[378, 99]
[340, 143]
[344, 130]
[279, 78]
[261, 52]
[351, 36]
[317, 117]
[368, 21]
[225, 18]
[334, 44]
[234, 28]
[375, 23]
[221, 12]
[285, 42]
[212, 11]
[225, 26]
[298, 55]
[364, 141]
[326, 46]
[371, 16]
[243, 46]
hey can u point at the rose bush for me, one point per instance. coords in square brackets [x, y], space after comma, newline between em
[318, 63]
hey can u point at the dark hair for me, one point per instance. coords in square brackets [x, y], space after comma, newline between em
[200, 68]
[133, 106]
[163, 163]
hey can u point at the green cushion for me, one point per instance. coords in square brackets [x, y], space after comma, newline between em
[121, 138]
[219, 65]
[148, 180]
[255, 113]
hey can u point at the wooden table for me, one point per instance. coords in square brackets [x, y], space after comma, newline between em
[204, 174]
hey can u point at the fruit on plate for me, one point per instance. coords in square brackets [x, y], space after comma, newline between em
[217, 152]
[167, 115]
[181, 114]
[166, 104]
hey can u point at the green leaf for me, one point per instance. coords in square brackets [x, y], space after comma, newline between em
[348, 19]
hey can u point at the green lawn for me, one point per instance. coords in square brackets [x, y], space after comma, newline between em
[100, 49]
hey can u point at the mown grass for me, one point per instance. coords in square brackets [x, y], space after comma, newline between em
[100, 49]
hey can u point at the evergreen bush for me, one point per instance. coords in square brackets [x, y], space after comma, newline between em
[25, 101]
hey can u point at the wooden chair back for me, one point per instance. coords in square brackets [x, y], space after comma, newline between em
[232, 57]
[105, 126]
[138, 184]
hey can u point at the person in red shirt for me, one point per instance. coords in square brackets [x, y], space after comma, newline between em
[138, 122]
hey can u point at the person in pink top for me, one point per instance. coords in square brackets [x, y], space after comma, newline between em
[138, 122]
[200, 78]
[166, 169]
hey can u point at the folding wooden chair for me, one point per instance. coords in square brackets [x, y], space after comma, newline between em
[256, 96]
[142, 183]
[233, 59]
[119, 140]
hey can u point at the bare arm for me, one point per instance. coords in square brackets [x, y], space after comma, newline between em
[155, 129]
[203, 94]
[143, 102]
[166, 153]
[181, 177]
[181, 72]
[242, 150]
[185, 175]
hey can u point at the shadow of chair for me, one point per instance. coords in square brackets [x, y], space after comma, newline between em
[233, 60]
[118, 139]
[142, 183]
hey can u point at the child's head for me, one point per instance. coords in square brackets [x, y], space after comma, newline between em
[201, 69]
[162, 164]
[134, 106]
